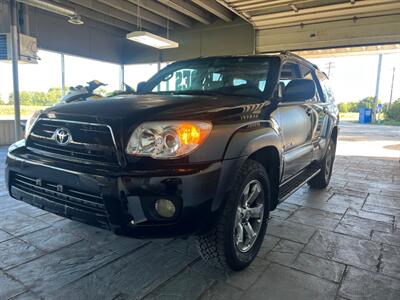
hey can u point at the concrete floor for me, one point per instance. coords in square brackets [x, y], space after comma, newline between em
[340, 243]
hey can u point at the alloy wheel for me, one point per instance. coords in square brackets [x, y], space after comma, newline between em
[249, 216]
[328, 161]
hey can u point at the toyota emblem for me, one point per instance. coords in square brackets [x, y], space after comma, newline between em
[62, 136]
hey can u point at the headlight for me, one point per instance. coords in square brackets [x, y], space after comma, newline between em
[30, 122]
[168, 139]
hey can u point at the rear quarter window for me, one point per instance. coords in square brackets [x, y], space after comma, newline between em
[325, 87]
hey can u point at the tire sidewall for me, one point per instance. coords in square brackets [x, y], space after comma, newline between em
[332, 153]
[239, 259]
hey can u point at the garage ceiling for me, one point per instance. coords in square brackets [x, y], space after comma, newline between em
[319, 24]
[218, 27]
[153, 15]
[281, 13]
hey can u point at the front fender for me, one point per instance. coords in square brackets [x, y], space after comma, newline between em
[253, 137]
[247, 140]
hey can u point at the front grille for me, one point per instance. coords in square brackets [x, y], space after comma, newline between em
[89, 142]
[60, 194]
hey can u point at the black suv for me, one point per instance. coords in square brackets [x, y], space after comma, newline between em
[206, 147]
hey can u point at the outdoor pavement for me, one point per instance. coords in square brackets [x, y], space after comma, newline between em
[340, 243]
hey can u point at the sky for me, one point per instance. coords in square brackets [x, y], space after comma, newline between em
[352, 77]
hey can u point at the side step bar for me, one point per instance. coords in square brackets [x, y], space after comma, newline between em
[293, 184]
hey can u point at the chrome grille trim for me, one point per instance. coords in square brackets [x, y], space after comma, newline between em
[46, 145]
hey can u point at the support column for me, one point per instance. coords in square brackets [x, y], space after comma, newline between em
[159, 67]
[14, 57]
[378, 80]
[62, 75]
[391, 88]
[121, 77]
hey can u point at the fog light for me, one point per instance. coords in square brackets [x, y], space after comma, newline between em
[165, 208]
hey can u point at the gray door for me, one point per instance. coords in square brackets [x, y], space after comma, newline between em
[296, 123]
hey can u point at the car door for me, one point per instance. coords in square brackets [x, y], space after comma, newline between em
[295, 124]
[323, 107]
[318, 108]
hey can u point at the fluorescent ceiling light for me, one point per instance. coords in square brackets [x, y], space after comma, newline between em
[152, 40]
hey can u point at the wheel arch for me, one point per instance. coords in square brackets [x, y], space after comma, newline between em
[259, 143]
[269, 158]
[334, 134]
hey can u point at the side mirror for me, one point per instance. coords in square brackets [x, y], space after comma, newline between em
[299, 90]
[141, 86]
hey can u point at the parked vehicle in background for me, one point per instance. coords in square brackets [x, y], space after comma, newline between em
[207, 147]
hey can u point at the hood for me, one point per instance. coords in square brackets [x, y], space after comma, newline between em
[158, 107]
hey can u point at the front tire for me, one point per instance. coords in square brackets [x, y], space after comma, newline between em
[322, 180]
[237, 237]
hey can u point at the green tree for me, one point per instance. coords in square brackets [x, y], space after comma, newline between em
[367, 102]
[54, 95]
[343, 107]
[394, 112]
[352, 106]
[51, 97]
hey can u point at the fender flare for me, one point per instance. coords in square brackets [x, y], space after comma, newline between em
[239, 149]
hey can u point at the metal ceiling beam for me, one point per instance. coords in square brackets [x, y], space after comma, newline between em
[114, 13]
[161, 10]
[99, 17]
[331, 19]
[49, 7]
[241, 14]
[327, 13]
[338, 52]
[189, 10]
[132, 9]
[216, 9]
[262, 4]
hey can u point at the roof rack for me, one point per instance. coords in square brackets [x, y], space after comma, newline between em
[291, 54]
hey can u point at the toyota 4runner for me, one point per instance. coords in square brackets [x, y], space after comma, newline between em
[206, 147]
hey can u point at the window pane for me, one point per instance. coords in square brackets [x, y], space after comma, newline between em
[40, 84]
[79, 71]
[5, 81]
[138, 73]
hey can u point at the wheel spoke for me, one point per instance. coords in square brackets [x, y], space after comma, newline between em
[249, 230]
[238, 218]
[253, 195]
[256, 212]
[239, 233]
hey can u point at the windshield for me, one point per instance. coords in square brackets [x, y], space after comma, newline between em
[244, 76]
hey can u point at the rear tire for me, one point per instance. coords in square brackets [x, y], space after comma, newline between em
[322, 180]
[237, 237]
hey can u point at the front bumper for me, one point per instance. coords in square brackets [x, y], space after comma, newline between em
[120, 201]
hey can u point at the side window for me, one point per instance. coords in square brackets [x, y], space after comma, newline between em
[325, 87]
[306, 72]
[291, 71]
[309, 73]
